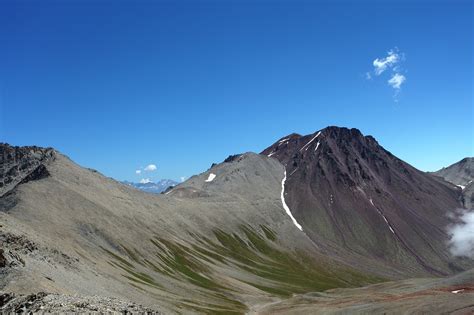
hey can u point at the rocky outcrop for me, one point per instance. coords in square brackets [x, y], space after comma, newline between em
[14, 247]
[22, 164]
[58, 303]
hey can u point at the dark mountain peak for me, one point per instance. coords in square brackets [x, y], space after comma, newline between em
[348, 135]
[341, 132]
[328, 141]
[344, 186]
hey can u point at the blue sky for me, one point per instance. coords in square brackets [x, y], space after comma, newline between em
[119, 85]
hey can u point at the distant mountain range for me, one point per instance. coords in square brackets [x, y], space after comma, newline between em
[258, 233]
[153, 187]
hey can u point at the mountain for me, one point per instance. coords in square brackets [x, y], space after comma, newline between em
[153, 187]
[351, 196]
[224, 240]
[217, 245]
[461, 174]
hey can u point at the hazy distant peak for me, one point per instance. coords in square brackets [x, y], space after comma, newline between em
[153, 187]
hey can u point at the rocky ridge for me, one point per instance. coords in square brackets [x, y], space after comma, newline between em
[22, 164]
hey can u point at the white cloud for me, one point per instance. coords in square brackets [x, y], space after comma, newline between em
[150, 168]
[145, 181]
[396, 80]
[462, 235]
[183, 178]
[392, 62]
[382, 64]
[138, 172]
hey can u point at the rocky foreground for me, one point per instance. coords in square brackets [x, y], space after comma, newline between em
[59, 303]
[454, 295]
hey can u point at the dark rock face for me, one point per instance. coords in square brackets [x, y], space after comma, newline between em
[232, 158]
[3, 259]
[22, 164]
[350, 193]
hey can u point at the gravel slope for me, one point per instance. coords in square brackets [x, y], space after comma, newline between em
[206, 246]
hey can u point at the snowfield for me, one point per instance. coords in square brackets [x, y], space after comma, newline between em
[285, 206]
[210, 178]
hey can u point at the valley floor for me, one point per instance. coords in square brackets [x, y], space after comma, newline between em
[453, 295]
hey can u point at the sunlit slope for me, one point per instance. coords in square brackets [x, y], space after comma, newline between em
[215, 246]
[461, 174]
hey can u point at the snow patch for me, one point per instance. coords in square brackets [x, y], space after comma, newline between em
[285, 206]
[384, 218]
[283, 140]
[457, 291]
[210, 178]
[461, 186]
[271, 154]
[389, 226]
[309, 142]
[292, 172]
[317, 146]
